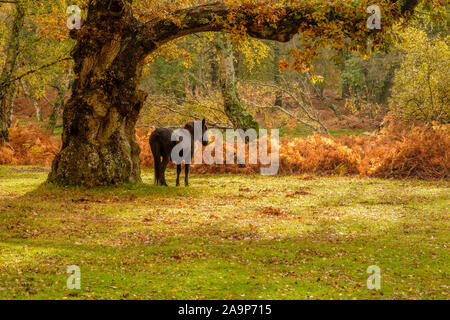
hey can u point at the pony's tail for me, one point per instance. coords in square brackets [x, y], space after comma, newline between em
[157, 159]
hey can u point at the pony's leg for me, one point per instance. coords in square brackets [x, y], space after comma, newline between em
[163, 171]
[186, 174]
[157, 159]
[178, 174]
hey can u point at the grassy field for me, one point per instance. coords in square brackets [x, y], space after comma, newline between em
[225, 237]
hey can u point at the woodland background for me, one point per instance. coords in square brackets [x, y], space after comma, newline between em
[382, 115]
[364, 166]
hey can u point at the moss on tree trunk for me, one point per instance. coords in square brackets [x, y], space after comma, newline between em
[58, 104]
[238, 115]
[12, 52]
[99, 142]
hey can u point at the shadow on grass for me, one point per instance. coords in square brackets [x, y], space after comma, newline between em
[139, 190]
[118, 235]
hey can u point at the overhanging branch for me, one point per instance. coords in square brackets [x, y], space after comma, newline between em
[215, 17]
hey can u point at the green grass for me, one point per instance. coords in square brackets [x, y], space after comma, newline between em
[348, 132]
[217, 239]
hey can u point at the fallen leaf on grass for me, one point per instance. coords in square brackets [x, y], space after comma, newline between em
[272, 211]
[298, 193]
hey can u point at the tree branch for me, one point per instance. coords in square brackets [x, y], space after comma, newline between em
[223, 17]
[47, 65]
[214, 17]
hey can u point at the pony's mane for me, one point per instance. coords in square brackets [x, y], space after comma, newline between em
[190, 127]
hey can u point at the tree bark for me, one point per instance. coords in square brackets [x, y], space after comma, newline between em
[28, 92]
[276, 75]
[98, 143]
[12, 52]
[37, 108]
[57, 106]
[387, 86]
[214, 72]
[237, 114]
[10, 106]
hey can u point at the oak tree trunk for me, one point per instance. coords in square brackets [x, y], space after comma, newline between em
[99, 145]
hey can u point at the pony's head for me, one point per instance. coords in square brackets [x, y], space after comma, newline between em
[198, 124]
[205, 140]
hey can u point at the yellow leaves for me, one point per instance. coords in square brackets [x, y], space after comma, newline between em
[172, 51]
[253, 50]
[317, 79]
[52, 22]
[421, 84]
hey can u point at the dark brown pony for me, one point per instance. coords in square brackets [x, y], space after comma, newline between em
[162, 145]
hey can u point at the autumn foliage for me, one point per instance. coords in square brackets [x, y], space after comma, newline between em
[29, 146]
[397, 151]
[400, 152]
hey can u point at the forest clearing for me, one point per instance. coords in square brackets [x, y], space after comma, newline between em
[283, 238]
[313, 138]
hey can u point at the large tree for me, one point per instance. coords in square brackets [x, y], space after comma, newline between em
[99, 145]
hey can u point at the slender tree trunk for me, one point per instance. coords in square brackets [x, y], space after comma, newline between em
[277, 75]
[10, 105]
[236, 61]
[388, 84]
[58, 105]
[345, 87]
[238, 115]
[12, 52]
[214, 72]
[36, 107]
[28, 92]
